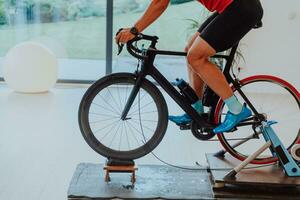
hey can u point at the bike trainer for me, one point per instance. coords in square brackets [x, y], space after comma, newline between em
[278, 181]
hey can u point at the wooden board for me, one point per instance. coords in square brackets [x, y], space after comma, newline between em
[152, 182]
[120, 169]
[266, 182]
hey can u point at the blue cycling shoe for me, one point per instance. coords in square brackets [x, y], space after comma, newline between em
[231, 120]
[181, 120]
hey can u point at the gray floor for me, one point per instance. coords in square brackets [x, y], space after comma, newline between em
[41, 145]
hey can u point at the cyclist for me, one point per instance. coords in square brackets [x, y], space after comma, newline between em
[230, 22]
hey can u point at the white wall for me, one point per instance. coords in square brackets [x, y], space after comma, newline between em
[275, 48]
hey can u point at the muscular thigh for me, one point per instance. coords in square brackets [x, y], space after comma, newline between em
[191, 41]
[200, 49]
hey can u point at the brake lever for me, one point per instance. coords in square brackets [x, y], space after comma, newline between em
[120, 46]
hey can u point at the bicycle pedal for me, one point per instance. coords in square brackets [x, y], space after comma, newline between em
[184, 126]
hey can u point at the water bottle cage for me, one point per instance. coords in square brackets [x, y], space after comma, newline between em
[187, 91]
[189, 94]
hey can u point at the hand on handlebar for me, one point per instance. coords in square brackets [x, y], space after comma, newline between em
[124, 35]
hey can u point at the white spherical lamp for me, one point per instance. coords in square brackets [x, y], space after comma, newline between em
[30, 68]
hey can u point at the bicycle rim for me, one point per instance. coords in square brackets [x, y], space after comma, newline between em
[109, 135]
[275, 98]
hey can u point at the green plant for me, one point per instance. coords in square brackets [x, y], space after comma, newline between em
[46, 11]
[3, 19]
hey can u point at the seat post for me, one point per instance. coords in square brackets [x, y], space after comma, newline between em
[229, 63]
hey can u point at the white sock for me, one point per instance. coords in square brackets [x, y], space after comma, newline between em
[233, 105]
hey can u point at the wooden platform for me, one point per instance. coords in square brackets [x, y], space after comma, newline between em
[120, 169]
[265, 182]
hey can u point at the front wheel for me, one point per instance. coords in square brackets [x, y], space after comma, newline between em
[274, 98]
[130, 138]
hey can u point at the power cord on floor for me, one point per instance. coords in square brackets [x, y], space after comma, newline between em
[206, 168]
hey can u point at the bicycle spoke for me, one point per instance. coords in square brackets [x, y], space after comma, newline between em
[119, 95]
[107, 103]
[155, 111]
[114, 99]
[137, 141]
[133, 106]
[143, 125]
[106, 126]
[104, 115]
[126, 95]
[127, 136]
[114, 136]
[141, 133]
[142, 107]
[147, 120]
[121, 137]
[103, 107]
[103, 120]
[107, 133]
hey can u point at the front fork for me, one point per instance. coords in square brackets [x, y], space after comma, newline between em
[139, 81]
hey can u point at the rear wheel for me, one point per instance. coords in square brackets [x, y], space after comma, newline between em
[277, 100]
[109, 135]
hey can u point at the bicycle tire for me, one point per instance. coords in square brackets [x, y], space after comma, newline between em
[254, 79]
[122, 78]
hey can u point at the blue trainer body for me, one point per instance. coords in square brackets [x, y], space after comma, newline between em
[231, 120]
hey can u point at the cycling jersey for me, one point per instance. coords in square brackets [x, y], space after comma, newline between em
[216, 5]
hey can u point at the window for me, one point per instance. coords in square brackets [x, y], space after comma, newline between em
[74, 30]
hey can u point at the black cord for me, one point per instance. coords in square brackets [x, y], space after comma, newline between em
[197, 164]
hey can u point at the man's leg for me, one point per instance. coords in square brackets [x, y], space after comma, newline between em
[194, 79]
[198, 59]
[196, 83]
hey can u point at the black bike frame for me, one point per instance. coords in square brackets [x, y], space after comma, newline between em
[148, 68]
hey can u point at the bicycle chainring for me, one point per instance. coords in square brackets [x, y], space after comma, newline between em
[202, 133]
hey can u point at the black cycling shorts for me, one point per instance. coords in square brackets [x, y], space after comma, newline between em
[222, 31]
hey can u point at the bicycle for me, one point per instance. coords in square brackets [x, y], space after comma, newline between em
[131, 128]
